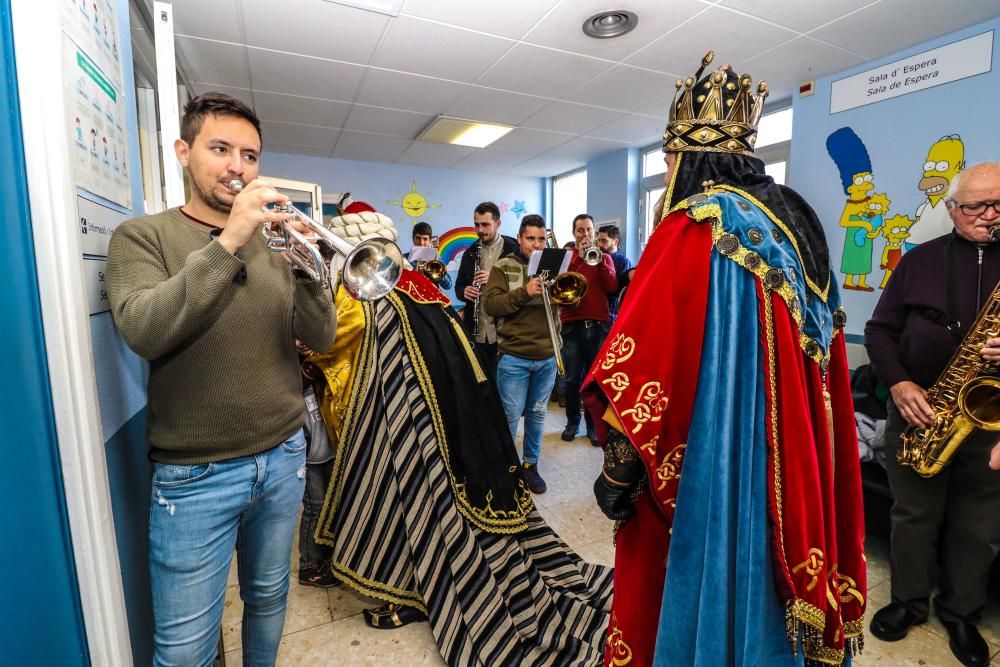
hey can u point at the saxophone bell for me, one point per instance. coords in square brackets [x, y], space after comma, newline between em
[995, 233]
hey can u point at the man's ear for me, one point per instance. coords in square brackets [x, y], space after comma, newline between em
[182, 151]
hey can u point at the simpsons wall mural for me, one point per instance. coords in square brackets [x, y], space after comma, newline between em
[865, 215]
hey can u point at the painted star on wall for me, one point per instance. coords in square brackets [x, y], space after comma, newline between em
[518, 208]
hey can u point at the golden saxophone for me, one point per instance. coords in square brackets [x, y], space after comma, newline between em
[965, 397]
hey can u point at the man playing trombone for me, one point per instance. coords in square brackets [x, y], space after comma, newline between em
[586, 324]
[422, 235]
[527, 365]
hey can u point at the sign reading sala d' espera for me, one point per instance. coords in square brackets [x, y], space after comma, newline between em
[958, 60]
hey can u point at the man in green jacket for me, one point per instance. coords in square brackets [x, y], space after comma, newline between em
[196, 292]
[527, 365]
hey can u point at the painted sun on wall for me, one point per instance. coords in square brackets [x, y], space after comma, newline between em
[866, 217]
[413, 203]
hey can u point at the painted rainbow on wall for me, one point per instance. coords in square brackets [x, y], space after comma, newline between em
[454, 242]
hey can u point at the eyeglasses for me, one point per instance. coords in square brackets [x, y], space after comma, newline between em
[978, 208]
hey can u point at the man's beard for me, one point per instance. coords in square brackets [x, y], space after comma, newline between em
[212, 200]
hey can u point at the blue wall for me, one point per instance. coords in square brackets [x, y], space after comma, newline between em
[456, 193]
[42, 619]
[613, 192]
[897, 134]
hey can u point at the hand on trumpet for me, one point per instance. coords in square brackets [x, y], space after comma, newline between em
[249, 212]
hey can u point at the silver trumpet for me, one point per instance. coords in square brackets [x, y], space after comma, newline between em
[592, 255]
[371, 268]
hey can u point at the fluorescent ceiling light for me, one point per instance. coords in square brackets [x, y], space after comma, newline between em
[461, 132]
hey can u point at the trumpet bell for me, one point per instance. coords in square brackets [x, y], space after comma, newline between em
[372, 269]
[593, 256]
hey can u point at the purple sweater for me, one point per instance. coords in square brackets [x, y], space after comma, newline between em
[907, 337]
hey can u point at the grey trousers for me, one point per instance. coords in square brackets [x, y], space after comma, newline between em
[945, 529]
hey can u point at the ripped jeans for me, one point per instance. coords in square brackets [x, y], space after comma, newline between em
[524, 386]
[199, 514]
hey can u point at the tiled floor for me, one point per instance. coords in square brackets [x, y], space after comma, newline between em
[325, 627]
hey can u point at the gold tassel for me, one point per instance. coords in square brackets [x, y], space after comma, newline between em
[473, 359]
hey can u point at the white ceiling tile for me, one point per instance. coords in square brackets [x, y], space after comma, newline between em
[635, 129]
[303, 110]
[800, 60]
[298, 75]
[625, 87]
[242, 94]
[657, 109]
[434, 155]
[423, 47]
[492, 160]
[302, 135]
[213, 62]
[912, 21]
[509, 18]
[387, 121]
[520, 139]
[397, 90]
[374, 144]
[360, 156]
[314, 28]
[495, 106]
[563, 28]
[220, 21]
[733, 38]
[795, 14]
[537, 71]
[586, 148]
[569, 117]
[293, 149]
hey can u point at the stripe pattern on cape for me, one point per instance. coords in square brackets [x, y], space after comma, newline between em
[391, 518]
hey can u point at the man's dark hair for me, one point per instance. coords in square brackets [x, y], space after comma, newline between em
[612, 231]
[214, 104]
[422, 229]
[531, 220]
[582, 216]
[488, 207]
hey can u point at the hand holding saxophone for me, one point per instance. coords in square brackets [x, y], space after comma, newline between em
[991, 352]
[911, 399]
[249, 212]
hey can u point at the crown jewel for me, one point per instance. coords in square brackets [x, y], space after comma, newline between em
[715, 114]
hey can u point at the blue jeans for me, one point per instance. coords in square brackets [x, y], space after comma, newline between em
[525, 385]
[581, 343]
[199, 513]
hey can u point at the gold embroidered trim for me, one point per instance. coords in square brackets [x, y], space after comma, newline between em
[755, 264]
[477, 370]
[854, 628]
[621, 654]
[333, 492]
[486, 518]
[773, 419]
[377, 589]
[621, 350]
[649, 405]
[706, 211]
[821, 293]
[618, 382]
[670, 187]
[670, 468]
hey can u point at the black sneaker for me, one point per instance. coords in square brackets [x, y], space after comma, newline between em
[569, 433]
[319, 576]
[594, 440]
[533, 479]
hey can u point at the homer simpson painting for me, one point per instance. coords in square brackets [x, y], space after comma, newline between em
[944, 159]
[863, 211]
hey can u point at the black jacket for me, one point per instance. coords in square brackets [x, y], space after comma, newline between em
[465, 269]
[908, 336]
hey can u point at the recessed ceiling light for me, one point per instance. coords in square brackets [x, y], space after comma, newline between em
[460, 132]
[614, 23]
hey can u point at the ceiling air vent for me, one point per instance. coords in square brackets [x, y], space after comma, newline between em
[614, 23]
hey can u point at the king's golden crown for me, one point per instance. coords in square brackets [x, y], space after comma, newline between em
[717, 114]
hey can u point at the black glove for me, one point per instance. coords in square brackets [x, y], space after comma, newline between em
[622, 467]
[615, 501]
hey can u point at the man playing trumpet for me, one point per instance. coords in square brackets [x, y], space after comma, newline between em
[586, 324]
[527, 366]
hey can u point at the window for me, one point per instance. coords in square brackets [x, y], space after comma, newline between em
[569, 199]
[652, 162]
[651, 188]
[774, 128]
[776, 170]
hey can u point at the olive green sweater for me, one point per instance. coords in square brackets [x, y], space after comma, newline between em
[219, 333]
[521, 327]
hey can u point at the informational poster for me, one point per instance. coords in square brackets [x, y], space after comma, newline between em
[97, 223]
[95, 105]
